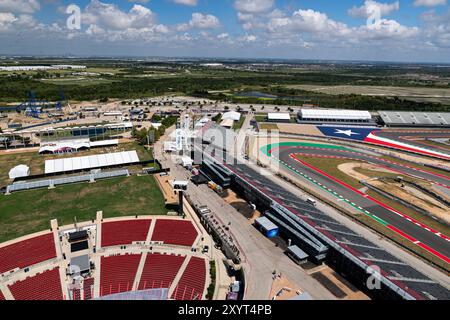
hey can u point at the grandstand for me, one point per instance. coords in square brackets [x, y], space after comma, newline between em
[38, 184]
[33, 288]
[192, 282]
[150, 294]
[28, 252]
[415, 119]
[334, 116]
[118, 273]
[149, 270]
[88, 288]
[160, 270]
[124, 232]
[181, 233]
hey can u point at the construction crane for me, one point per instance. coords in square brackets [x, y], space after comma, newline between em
[32, 107]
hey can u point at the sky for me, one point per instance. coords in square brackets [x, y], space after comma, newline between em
[407, 31]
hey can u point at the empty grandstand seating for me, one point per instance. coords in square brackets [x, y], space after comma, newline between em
[27, 252]
[177, 232]
[88, 288]
[43, 286]
[192, 282]
[160, 271]
[118, 273]
[124, 232]
[76, 294]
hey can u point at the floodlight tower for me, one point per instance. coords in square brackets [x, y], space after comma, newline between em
[180, 186]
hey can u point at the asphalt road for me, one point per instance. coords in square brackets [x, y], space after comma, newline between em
[417, 137]
[421, 235]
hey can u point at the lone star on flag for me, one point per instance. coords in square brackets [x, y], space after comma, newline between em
[346, 132]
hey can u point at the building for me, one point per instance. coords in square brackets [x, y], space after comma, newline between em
[267, 227]
[415, 119]
[297, 254]
[113, 114]
[335, 116]
[235, 116]
[227, 123]
[279, 117]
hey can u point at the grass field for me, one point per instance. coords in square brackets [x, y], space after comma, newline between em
[238, 124]
[420, 94]
[31, 211]
[36, 162]
[268, 126]
[80, 81]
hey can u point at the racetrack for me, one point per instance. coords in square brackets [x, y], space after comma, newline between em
[416, 232]
[417, 137]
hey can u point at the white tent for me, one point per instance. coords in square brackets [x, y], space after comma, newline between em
[186, 161]
[19, 171]
[233, 115]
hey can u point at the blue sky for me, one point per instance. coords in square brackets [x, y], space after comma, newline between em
[413, 30]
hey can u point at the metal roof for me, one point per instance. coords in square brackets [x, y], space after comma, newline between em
[80, 264]
[89, 162]
[266, 223]
[299, 253]
[335, 114]
[279, 116]
[421, 118]
[234, 115]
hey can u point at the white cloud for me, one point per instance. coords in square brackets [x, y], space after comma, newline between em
[6, 19]
[248, 38]
[191, 3]
[109, 16]
[437, 28]
[200, 21]
[307, 21]
[19, 6]
[368, 8]
[223, 36]
[204, 21]
[253, 6]
[430, 3]
[388, 29]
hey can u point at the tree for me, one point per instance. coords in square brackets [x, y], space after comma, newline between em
[217, 118]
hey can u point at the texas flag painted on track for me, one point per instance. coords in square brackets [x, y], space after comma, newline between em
[353, 133]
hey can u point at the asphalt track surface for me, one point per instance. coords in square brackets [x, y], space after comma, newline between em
[418, 233]
[416, 137]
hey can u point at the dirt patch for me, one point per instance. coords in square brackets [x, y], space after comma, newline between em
[337, 285]
[240, 205]
[306, 129]
[283, 288]
[349, 168]
[166, 189]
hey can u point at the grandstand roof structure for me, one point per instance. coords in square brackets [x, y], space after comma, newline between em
[76, 145]
[405, 118]
[334, 114]
[279, 116]
[90, 162]
[233, 115]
